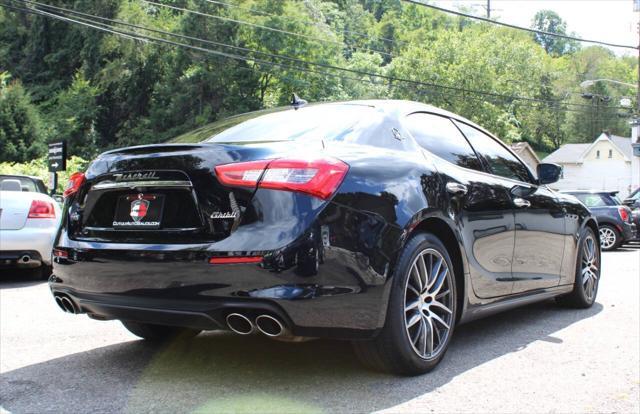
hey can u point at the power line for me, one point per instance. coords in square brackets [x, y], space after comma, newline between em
[263, 27]
[256, 11]
[295, 68]
[512, 26]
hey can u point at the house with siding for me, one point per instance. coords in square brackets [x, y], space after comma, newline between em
[604, 164]
[526, 154]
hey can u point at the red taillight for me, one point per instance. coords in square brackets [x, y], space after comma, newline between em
[75, 182]
[318, 177]
[624, 213]
[62, 254]
[41, 209]
[235, 259]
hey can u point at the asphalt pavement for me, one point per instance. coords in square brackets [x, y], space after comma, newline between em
[540, 358]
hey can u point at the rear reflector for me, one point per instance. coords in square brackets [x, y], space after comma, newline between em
[318, 177]
[235, 260]
[41, 209]
[75, 182]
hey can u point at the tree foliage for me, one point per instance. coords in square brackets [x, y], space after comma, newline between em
[100, 91]
[21, 136]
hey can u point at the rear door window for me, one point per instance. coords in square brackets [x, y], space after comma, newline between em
[440, 136]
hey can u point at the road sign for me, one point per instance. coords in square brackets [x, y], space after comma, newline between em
[57, 156]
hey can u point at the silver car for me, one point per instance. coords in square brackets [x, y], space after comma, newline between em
[29, 220]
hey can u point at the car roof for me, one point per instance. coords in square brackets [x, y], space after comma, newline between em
[589, 192]
[33, 177]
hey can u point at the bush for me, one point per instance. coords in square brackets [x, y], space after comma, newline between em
[38, 168]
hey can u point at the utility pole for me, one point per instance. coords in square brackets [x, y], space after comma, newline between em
[488, 9]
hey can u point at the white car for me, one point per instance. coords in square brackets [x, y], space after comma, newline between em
[29, 221]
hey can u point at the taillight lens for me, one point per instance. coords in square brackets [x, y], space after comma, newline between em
[317, 177]
[624, 213]
[75, 182]
[41, 209]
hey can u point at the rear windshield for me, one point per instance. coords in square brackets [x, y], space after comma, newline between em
[597, 200]
[335, 122]
[26, 184]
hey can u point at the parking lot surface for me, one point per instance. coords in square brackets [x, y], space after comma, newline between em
[541, 358]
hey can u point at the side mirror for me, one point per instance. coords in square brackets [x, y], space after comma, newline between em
[549, 173]
[58, 198]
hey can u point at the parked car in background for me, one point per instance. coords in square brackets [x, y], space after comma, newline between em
[382, 222]
[615, 220]
[29, 220]
[633, 202]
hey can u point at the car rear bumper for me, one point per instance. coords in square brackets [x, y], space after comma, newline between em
[629, 231]
[30, 241]
[317, 290]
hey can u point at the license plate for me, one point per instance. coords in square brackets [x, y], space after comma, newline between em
[139, 211]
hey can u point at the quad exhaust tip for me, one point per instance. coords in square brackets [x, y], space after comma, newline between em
[240, 324]
[270, 326]
[66, 304]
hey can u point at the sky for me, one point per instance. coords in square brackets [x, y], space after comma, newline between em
[612, 21]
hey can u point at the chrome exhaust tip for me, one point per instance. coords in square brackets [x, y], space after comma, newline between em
[25, 259]
[239, 324]
[59, 302]
[66, 304]
[270, 326]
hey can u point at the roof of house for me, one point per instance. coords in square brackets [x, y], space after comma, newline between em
[574, 153]
[568, 153]
[522, 147]
[623, 144]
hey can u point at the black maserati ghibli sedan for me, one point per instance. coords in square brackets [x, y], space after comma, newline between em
[386, 223]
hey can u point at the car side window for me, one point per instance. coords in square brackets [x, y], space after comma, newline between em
[440, 136]
[501, 161]
[591, 200]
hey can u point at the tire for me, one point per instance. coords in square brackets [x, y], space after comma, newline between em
[610, 238]
[158, 333]
[404, 346]
[587, 279]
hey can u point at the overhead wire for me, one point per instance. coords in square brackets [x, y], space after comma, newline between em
[137, 36]
[512, 26]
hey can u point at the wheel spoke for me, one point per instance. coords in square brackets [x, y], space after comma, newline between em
[439, 319]
[424, 276]
[429, 337]
[412, 305]
[442, 294]
[440, 306]
[435, 271]
[423, 337]
[415, 340]
[439, 282]
[413, 290]
[415, 275]
[414, 319]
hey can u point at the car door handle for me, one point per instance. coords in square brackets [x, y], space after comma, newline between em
[521, 202]
[457, 188]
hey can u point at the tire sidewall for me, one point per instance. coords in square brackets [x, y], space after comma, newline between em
[395, 322]
[616, 243]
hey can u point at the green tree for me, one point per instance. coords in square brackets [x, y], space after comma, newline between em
[21, 134]
[72, 117]
[550, 21]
